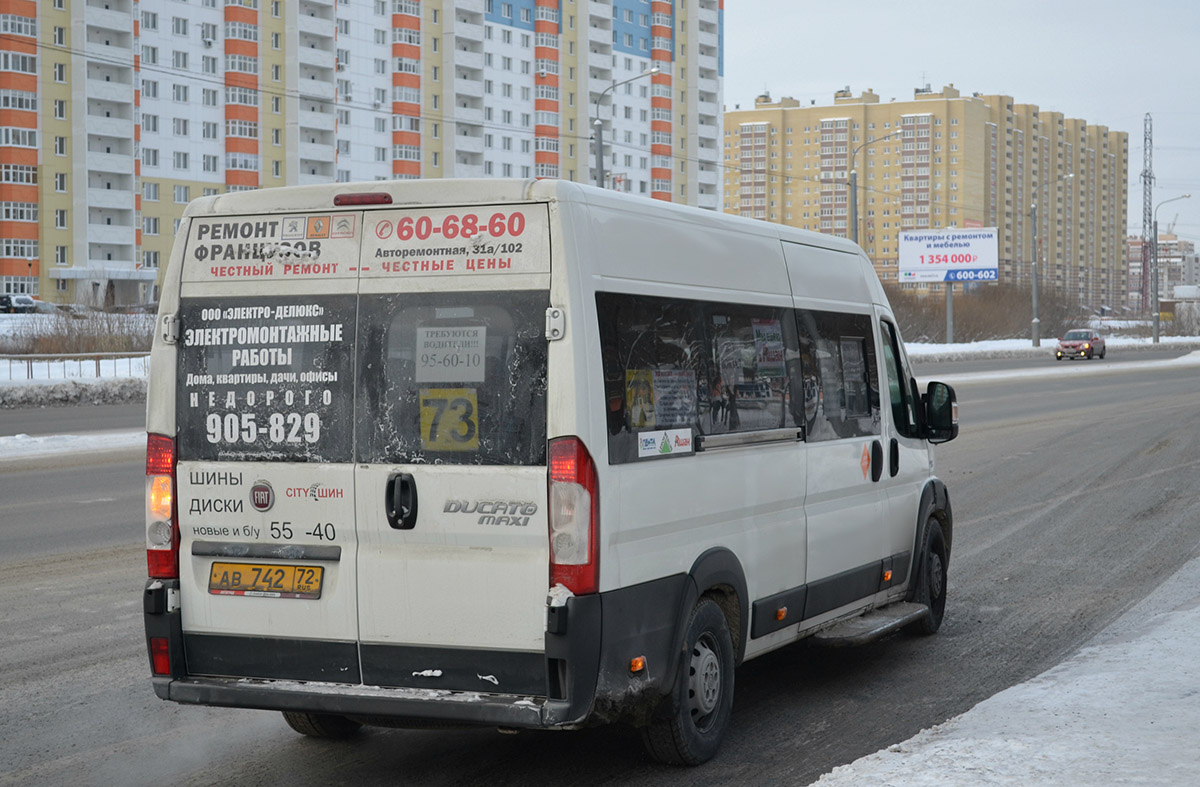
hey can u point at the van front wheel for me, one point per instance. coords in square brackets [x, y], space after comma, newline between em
[931, 580]
[321, 725]
[692, 720]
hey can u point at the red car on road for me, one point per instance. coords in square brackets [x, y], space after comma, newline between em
[1080, 343]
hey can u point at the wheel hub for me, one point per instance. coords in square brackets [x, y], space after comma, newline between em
[705, 684]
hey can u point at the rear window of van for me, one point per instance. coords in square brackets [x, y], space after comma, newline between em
[266, 378]
[453, 378]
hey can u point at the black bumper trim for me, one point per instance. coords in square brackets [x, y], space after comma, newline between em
[504, 710]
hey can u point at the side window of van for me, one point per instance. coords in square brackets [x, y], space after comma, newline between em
[900, 393]
[453, 378]
[755, 359]
[682, 364]
[840, 377]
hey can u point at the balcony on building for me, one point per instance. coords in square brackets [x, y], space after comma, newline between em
[317, 58]
[109, 83]
[600, 62]
[316, 151]
[109, 14]
[468, 138]
[315, 83]
[108, 192]
[468, 24]
[313, 171]
[317, 116]
[468, 83]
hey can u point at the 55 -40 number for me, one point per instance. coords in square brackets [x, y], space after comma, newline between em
[234, 428]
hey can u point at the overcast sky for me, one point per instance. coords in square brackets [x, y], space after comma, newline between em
[1103, 61]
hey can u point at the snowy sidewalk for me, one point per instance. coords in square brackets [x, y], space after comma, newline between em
[1123, 710]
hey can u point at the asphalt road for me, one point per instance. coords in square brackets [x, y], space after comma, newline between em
[1074, 496]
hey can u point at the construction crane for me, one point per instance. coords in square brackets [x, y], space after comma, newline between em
[1171, 226]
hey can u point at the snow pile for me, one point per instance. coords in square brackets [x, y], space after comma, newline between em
[50, 393]
[1121, 711]
[21, 446]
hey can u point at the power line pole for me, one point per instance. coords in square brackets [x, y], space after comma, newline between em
[1147, 208]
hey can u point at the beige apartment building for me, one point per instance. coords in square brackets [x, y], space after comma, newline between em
[938, 161]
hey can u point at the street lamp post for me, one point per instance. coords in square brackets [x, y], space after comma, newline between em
[599, 127]
[1154, 267]
[854, 183]
[1035, 329]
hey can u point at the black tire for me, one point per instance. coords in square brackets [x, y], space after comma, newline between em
[931, 580]
[321, 725]
[1103, 352]
[690, 723]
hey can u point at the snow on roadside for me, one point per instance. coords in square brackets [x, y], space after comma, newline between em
[23, 446]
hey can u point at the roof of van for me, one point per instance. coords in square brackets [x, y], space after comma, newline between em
[490, 191]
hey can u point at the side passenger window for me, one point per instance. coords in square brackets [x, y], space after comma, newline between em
[900, 391]
[701, 367]
[841, 384]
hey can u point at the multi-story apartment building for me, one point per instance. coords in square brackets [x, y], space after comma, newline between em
[115, 113]
[1178, 265]
[941, 160]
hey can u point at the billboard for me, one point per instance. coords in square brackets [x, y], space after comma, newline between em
[949, 255]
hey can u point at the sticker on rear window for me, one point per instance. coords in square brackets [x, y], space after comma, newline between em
[450, 354]
[266, 378]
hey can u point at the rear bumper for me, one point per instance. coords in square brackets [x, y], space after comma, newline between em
[585, 675]
[416, 705]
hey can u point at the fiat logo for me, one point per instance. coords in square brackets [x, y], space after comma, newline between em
[262, 496]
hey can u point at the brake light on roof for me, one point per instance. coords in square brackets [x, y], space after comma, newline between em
[363, 198]
[574, 517]
[162, 525]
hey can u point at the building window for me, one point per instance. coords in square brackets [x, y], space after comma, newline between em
[180, 159]
[60, 219]
[150, 225]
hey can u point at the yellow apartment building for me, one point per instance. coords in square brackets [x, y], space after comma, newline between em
[938, 161]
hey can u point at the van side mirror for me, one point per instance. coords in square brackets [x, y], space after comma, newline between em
[941, 413]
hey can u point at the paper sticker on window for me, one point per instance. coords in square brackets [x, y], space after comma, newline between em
[768, 348]
[674, 397]
[451, 354]
[449, 419]
[639, 398]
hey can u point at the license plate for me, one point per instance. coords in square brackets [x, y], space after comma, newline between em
[265, 580]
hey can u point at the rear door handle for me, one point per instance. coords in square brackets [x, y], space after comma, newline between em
[894, 457]
[401, 501]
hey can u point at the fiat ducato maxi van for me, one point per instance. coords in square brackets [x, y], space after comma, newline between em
[524, 454]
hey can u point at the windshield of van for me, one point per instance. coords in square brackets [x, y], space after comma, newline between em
[453, 378]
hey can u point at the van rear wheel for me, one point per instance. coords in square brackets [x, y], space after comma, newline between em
[692, 720]
[321, 725]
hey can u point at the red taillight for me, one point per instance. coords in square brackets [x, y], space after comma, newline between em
[574, 518]
[162, 522]
[363, 198]
[160, 656]
[160, 455]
